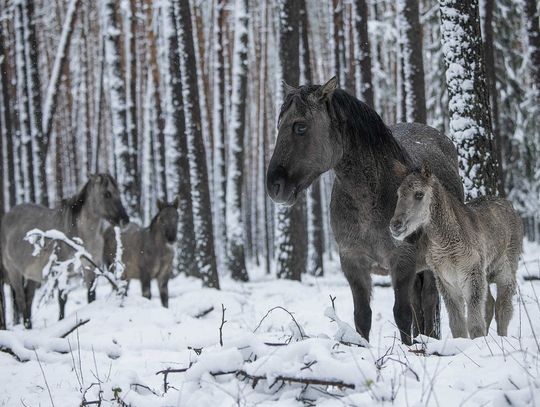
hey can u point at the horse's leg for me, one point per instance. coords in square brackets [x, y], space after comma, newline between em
[357, 271]
[145, 284]
[16, 311]
[403, 273]
[475, 296]
[506, 288]
[29, 290]
[19, 300]
[90, 279]
[490, 308]
[62, 299]
[455, 306]
[431, 305]
[163, 282]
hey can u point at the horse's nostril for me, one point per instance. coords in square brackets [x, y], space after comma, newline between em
[397, 224]
[277, 187]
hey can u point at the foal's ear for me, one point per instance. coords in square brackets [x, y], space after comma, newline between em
[426, 170]
[288, 88]
[160, 204]
[400, 169]
[176, 202]
[326, 91]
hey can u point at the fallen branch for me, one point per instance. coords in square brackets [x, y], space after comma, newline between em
[204, 313]
[80, 323]
[303, 335]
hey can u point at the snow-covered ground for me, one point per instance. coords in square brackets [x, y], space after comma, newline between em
[116, 355]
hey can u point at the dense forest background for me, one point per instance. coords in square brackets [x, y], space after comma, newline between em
[180, 98]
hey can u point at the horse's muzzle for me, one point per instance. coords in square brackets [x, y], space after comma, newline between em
[277, 187]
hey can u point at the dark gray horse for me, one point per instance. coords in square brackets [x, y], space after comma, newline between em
[322, 128]
[147, 252]
[84, 216]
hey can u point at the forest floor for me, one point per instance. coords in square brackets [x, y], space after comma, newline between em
[115, 356]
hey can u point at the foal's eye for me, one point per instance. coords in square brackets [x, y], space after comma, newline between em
[107, 195]
[299, 128]
[418, 196]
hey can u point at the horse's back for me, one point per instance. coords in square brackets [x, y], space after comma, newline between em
[17, 253]
[425, 143]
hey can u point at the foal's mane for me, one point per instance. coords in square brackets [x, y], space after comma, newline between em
[154, 219]
[354, 119]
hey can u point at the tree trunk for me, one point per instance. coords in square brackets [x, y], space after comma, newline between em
[533, 35]
[235, 178]
[362, 53]
[175, 132]
[202, 211]
[410, 35]
[291, 250]
[470, 122]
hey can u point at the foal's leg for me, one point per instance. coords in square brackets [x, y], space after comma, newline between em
[475, 295]
[403, 273]
[163, 282]
[504, 308]
[357, 271]
[62, 299]
[145, 284]
[431, 305]
[19, 299]
[455, 306]
[490, 308]
[16, 311]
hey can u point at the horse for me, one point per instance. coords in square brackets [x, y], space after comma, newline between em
[84, 215]
[147, 252]
[322, 128]
[469, 246]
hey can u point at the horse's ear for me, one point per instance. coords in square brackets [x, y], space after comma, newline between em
[400, 169]
[288, 88]
[426, 170]
[326, 91]
[160, 204]
[176, 202]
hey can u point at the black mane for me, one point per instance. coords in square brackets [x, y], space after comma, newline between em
[71, 207]
[354, 119]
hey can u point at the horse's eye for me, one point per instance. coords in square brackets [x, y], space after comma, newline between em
[299, 128]
[418, 196]
[107, 195]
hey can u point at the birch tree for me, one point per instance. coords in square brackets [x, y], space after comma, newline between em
[202, 212]
[235, 171]
[470, 122]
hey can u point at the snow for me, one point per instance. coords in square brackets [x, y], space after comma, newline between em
[125, 343]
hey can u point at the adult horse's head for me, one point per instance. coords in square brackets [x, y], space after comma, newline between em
[306, 145]
[167, 219]
[103, 198]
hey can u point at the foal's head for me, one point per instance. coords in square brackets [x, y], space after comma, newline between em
[414, 201]
[102, 196]
[304, 146]
[167, 219]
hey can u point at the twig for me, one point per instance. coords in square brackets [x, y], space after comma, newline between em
[79, 324]
[332, 299]
[144, 387]
[223, 321]
[288, 312]
[44, 378]
[204, 313]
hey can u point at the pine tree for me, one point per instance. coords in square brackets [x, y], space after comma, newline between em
[410, 35]
[470, 123]
[202, 211]
[235, 172]
[362, 53]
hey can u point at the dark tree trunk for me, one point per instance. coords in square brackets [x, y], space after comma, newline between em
[291, 250]
[410, 34]
[491, 79]
[363, 53]
[470, 121]
[186, 232]
[202, 212]
[5, 124]
[533, 35]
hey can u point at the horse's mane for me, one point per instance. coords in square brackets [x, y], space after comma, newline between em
[354, 119]
[154, 219]
[71, 207]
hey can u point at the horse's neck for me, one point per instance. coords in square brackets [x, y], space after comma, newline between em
[89, 227]
[445, 226]
[154, 233]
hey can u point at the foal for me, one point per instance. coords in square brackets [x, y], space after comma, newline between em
[469, 246]
[147, 252]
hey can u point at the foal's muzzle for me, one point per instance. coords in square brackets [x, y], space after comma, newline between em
[398, 228]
